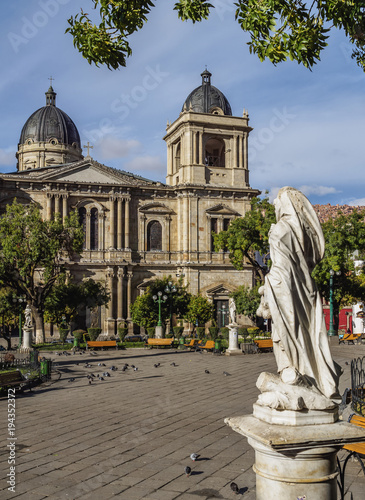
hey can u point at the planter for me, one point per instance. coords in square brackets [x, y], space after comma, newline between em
[94, 333]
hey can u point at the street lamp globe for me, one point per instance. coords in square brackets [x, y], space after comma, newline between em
[164, 297]
[154, 297]
[159, 294]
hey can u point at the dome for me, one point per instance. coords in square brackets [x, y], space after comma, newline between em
[50, 124]
[207, 99]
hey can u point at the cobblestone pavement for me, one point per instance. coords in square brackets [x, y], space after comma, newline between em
[130, 436]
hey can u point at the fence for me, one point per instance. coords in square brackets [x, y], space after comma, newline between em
[358, 385]
[27, 362]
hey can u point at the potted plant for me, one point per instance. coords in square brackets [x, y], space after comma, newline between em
[63, 334]
[78, 336]
[94, 333]
[122, 331]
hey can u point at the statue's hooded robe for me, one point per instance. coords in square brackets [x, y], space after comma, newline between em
[299, 329]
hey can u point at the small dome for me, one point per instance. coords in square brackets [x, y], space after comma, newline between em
[207, 99]
[50, 124]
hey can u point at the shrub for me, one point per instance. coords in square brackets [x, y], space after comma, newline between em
[242, 332]
[200, 332]
[78, 334]
[94, 333]
[214, 332]
[63, 334]
[151, 332]
[122, 331]
[225, 332]
[253, 331]
[178, 331]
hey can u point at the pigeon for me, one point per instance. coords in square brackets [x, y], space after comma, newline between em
[126, 364]
[135, 369]
[132, 366]
[106, 374]
[346, 362]
[173, 364]
[101, 378]
[156, 365]
[90, 380]
[113, 368]
[187, 471]
[235, 488]
[72, 379]
[194, 456]
[124, 368]
[226, 374]
[207, 371]
[101, 364]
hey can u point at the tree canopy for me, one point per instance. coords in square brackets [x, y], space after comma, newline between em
[144, 310]
[278, 29]
[34, 252]
[246, 236]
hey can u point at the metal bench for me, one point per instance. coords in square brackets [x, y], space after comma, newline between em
[102, 343]
[14, 379]
[264, 344]
[349, 338]
[151, 343]
[356, 449]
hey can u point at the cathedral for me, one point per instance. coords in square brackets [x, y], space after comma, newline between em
[136, 229]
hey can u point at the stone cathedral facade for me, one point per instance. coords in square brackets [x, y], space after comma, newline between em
[136, 229]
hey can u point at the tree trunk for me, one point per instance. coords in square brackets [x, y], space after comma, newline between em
[40, 337]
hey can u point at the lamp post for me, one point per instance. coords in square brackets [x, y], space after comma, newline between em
[19, 300]
[332, 330]
[159, 299]
[170, 289]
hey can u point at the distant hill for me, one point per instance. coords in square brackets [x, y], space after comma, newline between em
[326, 212]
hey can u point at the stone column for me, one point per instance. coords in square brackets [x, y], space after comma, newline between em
[110, 319]
[186, 226]
[126, 223]
[49, 206]
[101, 221]
[57, 203]
[201, 152]
[64, 206]
[120, 294]
[245, 151]
[87, 239]
[112, 223]
[240, 151]
[119, 224]
[129, 294]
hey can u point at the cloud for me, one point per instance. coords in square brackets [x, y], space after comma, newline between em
[318, 190]
[148, 164]
[7, 156]
[109, 147]
[359, 202]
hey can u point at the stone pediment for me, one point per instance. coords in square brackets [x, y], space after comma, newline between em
[156, 208]
[85, 171]
[221, 209]
[220, 289]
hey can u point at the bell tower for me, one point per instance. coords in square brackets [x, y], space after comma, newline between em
[206, 145]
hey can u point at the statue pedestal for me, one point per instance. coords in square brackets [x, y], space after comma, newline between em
[233, 347]
[159, 332]
[27, 339]
[293, 461]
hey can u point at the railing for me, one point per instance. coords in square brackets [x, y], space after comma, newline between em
[358, 385]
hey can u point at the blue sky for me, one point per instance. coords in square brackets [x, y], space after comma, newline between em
[308, 126]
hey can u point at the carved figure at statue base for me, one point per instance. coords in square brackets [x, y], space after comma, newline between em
[307, 376]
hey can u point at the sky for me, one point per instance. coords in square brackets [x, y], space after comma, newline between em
[308, 125]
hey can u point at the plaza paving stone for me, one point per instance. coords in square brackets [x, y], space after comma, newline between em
[131, 435]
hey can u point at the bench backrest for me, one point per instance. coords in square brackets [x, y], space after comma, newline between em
[10, 377]
[159, 341]
[209, 344]
[351, 336]
[264, 342]
[192, 343]
[105, 343]
[357, 420]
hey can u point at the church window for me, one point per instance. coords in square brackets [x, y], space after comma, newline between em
[154, 236]
[215, 153]
[177, 157]
[94, 229]
[82, 220]
[213, 228]
[226, 223]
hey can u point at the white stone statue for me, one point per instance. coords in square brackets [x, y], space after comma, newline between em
[28, 317]
[232, 311]
[308, 377]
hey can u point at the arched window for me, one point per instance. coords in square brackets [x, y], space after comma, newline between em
[213, 228]
[154, 236]
[177, 157]
[94, 229]
[215, 153]
[82, 220]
